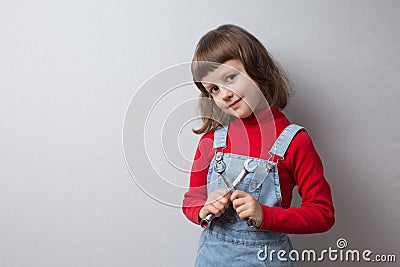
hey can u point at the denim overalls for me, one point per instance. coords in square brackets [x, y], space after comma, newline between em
[229, 241]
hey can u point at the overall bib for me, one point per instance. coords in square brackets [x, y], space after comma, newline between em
[229, 241]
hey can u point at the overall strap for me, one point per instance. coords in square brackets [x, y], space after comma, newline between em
[279, 148]
[220, 137]
[285, 138]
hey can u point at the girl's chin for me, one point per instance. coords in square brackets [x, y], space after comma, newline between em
[242, 115]
[245, 116]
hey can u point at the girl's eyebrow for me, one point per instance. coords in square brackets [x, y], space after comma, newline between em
[222, 75]
[225, 73]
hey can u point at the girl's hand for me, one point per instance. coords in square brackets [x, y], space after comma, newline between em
[217, 202]
[247, 207]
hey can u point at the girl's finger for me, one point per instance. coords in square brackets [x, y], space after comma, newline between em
[243, 215]
[223, 200]
[223, 192]
[238, 202]
[211, 209]
[227, 204]
[245, 207]
[238, 194]
[218, 205]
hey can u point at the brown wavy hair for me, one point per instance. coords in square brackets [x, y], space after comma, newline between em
[229, 42]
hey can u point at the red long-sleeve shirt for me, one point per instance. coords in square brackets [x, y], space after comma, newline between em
[301, 166]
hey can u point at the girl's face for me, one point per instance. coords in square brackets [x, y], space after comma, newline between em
[233, 91]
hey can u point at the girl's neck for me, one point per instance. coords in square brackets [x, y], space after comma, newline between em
[260, 116]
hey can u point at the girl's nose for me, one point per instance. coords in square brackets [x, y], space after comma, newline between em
[226, 94]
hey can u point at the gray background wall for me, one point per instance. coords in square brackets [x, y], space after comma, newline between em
[68, 70]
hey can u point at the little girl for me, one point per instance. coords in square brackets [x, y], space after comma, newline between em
[247, 221]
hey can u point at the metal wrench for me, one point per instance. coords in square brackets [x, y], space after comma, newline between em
[220, 169]
[246, 170]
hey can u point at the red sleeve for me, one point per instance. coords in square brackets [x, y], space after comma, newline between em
[196, 196]
[316, 213]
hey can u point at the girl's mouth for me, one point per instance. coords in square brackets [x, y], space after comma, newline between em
[234, 104]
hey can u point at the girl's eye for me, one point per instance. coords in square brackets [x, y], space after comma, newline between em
[230, 77]
[214, 89]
